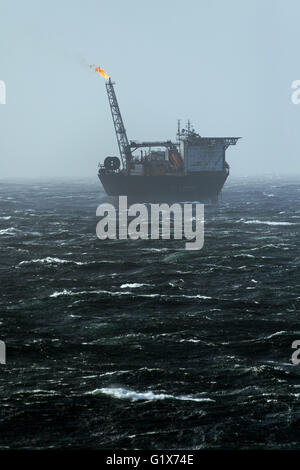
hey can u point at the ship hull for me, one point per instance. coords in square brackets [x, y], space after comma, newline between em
[201, 186]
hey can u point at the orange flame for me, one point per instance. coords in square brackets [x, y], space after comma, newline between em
[101, 71]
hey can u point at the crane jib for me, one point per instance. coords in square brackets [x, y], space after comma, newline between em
[123, 144]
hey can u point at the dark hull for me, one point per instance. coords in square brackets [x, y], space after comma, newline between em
[202, 187]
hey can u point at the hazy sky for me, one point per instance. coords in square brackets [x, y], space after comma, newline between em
[226, 65]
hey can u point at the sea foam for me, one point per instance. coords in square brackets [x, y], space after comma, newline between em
[123, 393]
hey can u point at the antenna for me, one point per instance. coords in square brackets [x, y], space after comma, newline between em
[189, 126]
[178, 131]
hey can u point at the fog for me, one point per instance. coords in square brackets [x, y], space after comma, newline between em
[226, 66]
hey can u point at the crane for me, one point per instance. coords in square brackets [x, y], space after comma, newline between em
[124, 147]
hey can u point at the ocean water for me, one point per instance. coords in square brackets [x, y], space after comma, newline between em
[142, 344]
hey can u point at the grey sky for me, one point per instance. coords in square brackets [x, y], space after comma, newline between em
[226, 65]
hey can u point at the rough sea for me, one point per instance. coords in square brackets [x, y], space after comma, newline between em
[123, 344]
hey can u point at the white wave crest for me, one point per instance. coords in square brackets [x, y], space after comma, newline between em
[133, 285]
[267, 222]
[8, 231]
[64, 292]
[117, 294]
[50, 260]
[123, 393]
[197, 296]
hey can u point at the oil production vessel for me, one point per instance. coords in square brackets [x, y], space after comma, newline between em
[191, 169]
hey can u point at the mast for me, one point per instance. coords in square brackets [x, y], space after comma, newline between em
[178, 131]
[124, 148]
